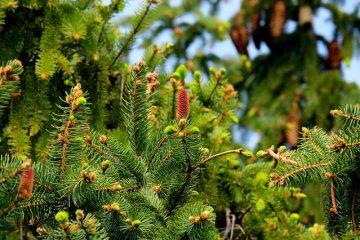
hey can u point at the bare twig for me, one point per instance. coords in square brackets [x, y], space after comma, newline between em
[279, 158]
[133, 33]
[203, 162]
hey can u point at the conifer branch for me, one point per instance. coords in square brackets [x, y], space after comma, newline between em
[34, 204]
[203, 162]
[131, 170]
[338, 113]
[132, 35]
[279, 158]
[333, 199]
[107, 18]
[11, 206]
[173, 101]
[161, 143]
[302, 169]
[40, 184]
[13, 174]
[65, 145]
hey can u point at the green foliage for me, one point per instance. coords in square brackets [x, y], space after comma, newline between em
[331, 159]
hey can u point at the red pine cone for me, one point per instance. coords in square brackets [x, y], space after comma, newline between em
[293, 129]
[256, 29]
[26, 183]
[239, 33]
[277, 19]
[183, 107]
[334, 55]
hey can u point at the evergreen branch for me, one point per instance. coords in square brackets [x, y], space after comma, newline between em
[279, 158]
[161, 143]
[107, 18]
[49, 189]
[34, 204]
[353, 212]
[11, 206]
[173, 101]
[338, 113]
[189, 171]
[99, 150]
[290, 174]
[332, 195]
[203, 162]
[65, 145]
[132, 35]
[14, 173]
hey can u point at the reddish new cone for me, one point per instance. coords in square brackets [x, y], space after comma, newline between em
[183, 107]
[26, 183]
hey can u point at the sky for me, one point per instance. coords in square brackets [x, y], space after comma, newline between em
[228, 8]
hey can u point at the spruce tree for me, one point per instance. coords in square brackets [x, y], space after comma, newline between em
[331, 159]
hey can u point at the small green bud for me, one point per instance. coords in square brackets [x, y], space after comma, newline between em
[170, 129]
[233, 163]
[80, 101]
[128, 220]
[336, 112]
[136, 223]
[106, 162]
[181, 134]
[212, 71]
[197, 76]
[247, 153]
[85, 165]
[304, 130]
[294, 216]
[261, 153]
[62, 217]
[176, 75]
[244, 58]
[194, 130]
[169, 46]
[281, 149]
[223, 71]
[71, 117]
[261, 178]
[79, 212]
[204, 151]
[194, 193]
[260, 205]
[182, 71]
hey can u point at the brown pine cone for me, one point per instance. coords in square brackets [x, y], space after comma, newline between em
[334, 55]
[277, 19]
[292, 128]
[256, 29]
[239, 33]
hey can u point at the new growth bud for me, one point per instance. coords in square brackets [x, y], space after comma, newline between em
[26, 184]
[183, 107]
[62, 217]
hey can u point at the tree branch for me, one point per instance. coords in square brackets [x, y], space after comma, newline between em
[203, 162]
[283, 178]
[279, 158]
[133, 33]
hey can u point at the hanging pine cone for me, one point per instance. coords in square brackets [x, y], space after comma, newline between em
[305, 15]
[256, 29]
[277, 19]
[292, 128]
[239, 33]
[334, 55]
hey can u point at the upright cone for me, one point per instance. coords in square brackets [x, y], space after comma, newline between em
[277, 19]
[26, 184]
[239, 33]
[183, 106]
